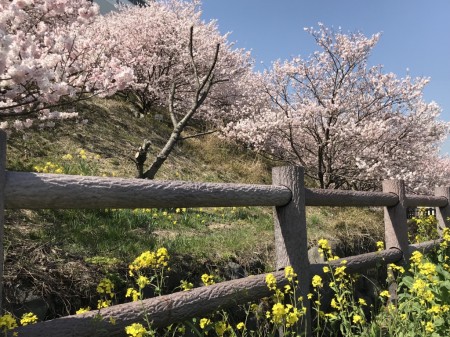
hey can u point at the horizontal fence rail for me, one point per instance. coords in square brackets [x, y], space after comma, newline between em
[37, 190]
[27, 190]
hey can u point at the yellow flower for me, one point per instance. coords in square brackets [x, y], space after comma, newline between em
[103, 304]
[240, 326]
[395, 267]
[435, 309]
[340, 272]
[326, 269]
[162, 256]
[429, 327]
[133, 293]
[135, 330]
[271, 282]
[416, 257]
[106, 287]
[7, 322]
[287, 289]
[208, 279]
[380, 245]
[362, 302]
[335, 304]
[385, 293]
[323, 244]
[145, 260]
[82, 310]
[204, 322]
[82, 154]
[28, 318]
[67, 157]
[220, 328]
[292, 318]
[142, 281]
[289, 273]
[427, 269]
[331, 316]
[317, 281]
[185, 285]
[357, 319]
[278, 312]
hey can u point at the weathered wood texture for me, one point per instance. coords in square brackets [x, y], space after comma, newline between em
[37, 191]
[320, 197]
[361, 262]
[412, 200]
[25, 190]
[291, 243]
[396, 228]
[443, 212]
[2, 208]
[162, 311]
[395, 222]
[425, 247]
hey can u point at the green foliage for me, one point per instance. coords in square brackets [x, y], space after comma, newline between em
[423, 227]
[422, 307]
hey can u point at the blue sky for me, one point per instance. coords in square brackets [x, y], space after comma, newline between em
[415, 33]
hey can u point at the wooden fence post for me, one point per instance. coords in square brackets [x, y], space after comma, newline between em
[291, 244]
[443, 213]
[2, 209]
[396, 227]
[395, 222]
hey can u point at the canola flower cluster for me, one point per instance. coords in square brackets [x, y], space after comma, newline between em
[81, 163]
[150, 260]
[346, 311]
[423, 302]
[148, 270]
[9, 322]
[106, 291]
[49, 167]
[287, 308]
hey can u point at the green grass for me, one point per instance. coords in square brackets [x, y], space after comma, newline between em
[220, 233]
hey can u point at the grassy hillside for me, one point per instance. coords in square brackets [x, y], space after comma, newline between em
[57, 257]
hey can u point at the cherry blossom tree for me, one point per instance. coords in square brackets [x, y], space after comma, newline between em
[348, 124]
[181, 64]
[46, 61]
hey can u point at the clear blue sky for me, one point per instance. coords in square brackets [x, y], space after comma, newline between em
[415, 33]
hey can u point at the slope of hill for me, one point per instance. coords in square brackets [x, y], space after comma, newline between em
[54, 258]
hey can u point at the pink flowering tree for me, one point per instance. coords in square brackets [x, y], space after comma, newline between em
[181, 64]
[348, 124]
[46, 61]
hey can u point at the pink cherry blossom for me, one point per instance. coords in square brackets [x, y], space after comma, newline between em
[348, 124]
[45, 58]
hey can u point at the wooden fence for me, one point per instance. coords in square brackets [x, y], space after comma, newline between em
[288, 195]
